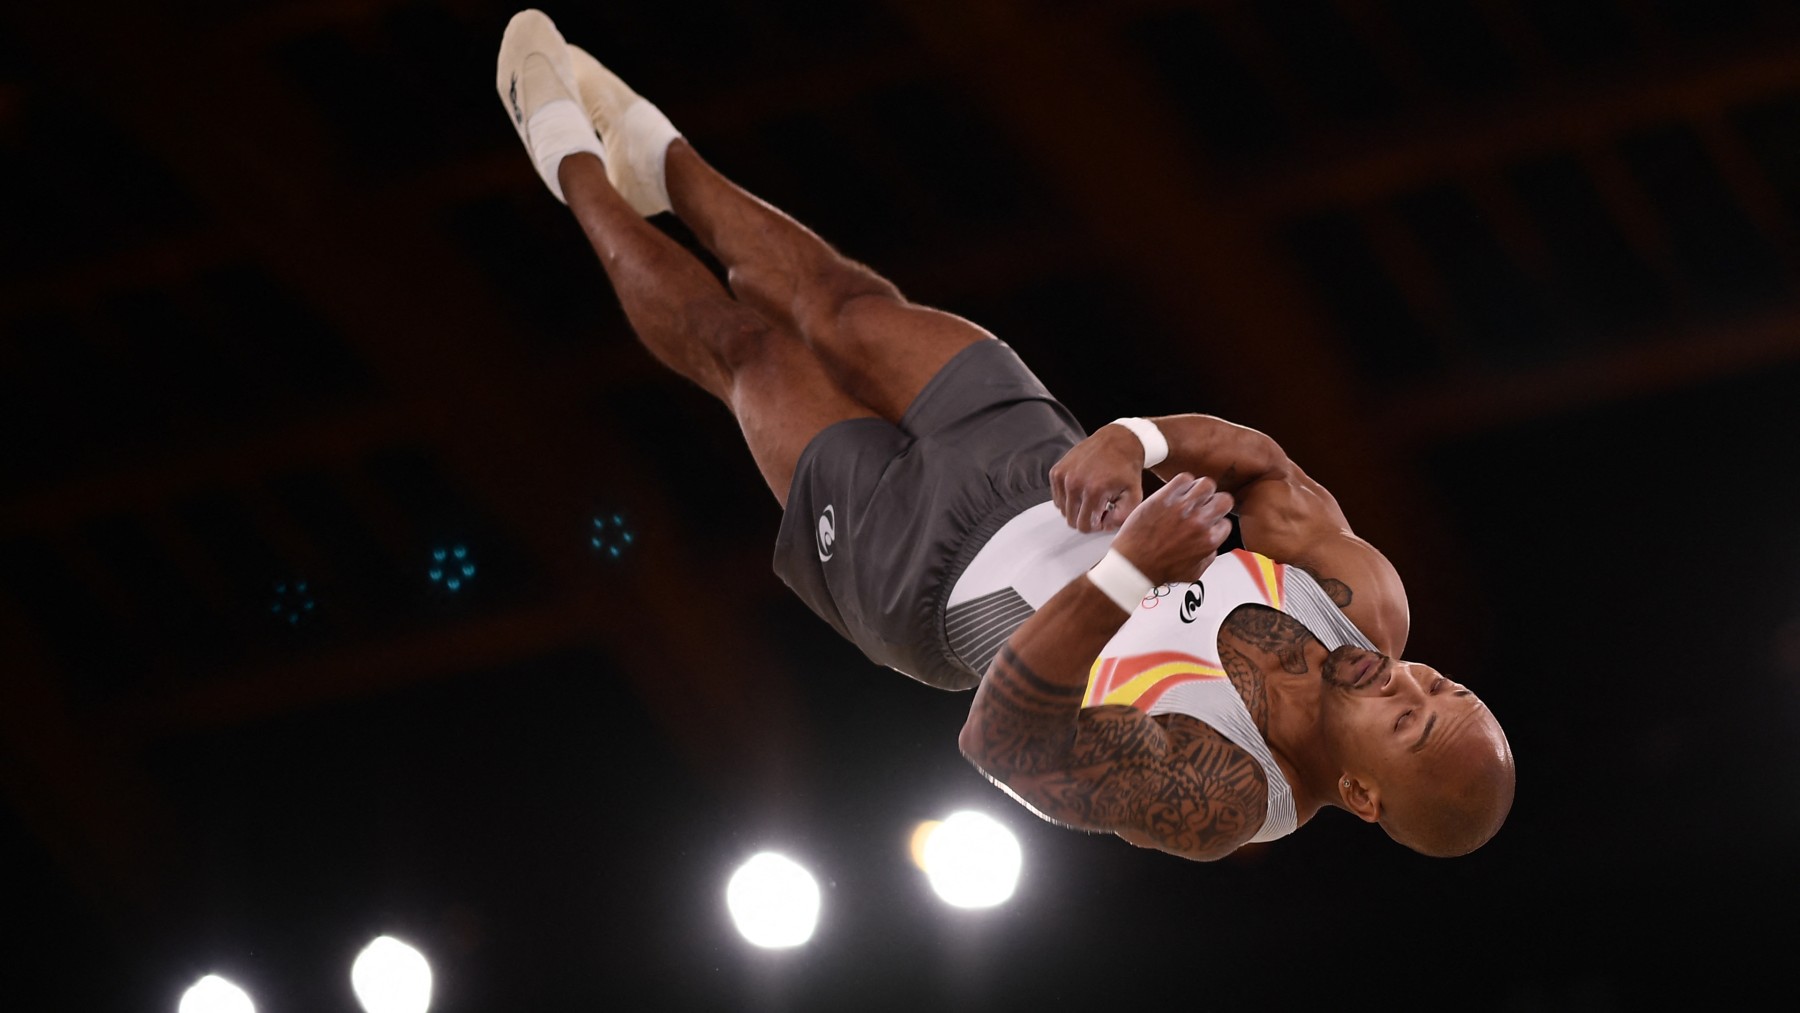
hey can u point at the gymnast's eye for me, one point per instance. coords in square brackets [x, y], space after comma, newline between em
[1401, 719]
[1435, 685]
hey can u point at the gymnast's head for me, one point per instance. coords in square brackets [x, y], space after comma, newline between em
[1419, 753]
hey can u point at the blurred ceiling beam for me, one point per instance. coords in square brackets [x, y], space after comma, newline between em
[336, 437]
[382, 664]
[1441, 412]
[166, 259]
[1349, 171]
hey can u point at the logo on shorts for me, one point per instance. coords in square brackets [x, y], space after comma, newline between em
[826, 535]
[1191, 599]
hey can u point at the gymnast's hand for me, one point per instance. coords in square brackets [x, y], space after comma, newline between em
[1173, 536]
[1100, 481]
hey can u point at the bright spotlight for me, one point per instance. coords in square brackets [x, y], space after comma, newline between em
[391, 977]
[213, 994]
[774, 901]
[971, 860]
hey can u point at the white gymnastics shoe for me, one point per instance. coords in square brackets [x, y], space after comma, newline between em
[635, 133]
[537, 85]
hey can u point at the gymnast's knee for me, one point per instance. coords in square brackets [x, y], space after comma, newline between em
[742, 339]
[838, 294]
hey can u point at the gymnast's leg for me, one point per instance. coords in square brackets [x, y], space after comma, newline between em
[880, 348]
[779, 391]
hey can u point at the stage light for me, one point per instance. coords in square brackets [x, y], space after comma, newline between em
[774, 901]
[391, 977]
[451, 567]
[610, 536]
[213, 994]
[293, 602]
[971, 860]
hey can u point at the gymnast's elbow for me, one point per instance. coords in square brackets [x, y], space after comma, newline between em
[1008, 750]
[983, 744]
[972, 740]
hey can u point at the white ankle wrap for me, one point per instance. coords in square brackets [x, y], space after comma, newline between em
[558, 129]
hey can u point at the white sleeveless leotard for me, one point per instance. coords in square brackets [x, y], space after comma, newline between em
[1165, 659]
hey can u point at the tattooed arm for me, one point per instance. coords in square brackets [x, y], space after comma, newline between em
[1184, 790]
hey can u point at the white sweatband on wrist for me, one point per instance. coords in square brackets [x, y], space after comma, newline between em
[1119, 580]
[1156, 446]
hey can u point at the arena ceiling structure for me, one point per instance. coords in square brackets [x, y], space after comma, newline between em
[294, 338]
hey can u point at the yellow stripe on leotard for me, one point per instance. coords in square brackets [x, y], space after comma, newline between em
[1270, 578]
[1144, 681]
[1093, 675]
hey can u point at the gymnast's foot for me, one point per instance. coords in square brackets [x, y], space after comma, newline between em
[635, 134]
[537, 85]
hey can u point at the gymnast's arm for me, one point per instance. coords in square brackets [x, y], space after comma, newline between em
[1111, 768]
[1284, 513]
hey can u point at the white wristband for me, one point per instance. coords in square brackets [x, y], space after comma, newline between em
[1156, 446]
[1119, 580]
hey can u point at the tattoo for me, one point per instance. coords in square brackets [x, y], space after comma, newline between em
[1168, 782]
[1026, 721]
[1249, 682]
[1178, 786]
[1273, 633]
[1336, 590]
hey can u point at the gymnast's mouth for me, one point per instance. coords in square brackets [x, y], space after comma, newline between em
[1354, 667]
[1366, 669]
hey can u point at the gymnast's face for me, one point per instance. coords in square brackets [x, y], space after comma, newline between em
[1393, 721]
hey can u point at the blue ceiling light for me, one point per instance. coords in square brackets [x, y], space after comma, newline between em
[451, 568]
[610, 536]
[293, 602]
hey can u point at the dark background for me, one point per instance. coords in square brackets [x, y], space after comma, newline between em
[283, 300]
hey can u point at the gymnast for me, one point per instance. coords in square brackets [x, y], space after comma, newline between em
[1193, 670]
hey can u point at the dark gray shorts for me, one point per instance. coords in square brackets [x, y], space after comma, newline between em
[881, 520]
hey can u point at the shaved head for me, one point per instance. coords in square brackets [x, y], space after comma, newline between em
[1458, 801]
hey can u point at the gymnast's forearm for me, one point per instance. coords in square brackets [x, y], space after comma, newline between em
[1233, 456]
[1024, 717]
